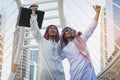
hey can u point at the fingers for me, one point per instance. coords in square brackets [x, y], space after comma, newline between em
[14, 67]
[97, 6]
[94, 7]
[33, 8]
[79, 33]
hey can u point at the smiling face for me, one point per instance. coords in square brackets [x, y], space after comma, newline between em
[68, 34]
[52, 31]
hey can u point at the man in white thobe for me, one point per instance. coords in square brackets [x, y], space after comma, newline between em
[75, 50]
[50, 63]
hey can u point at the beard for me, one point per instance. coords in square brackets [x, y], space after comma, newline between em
[52, 35]
[70, 36]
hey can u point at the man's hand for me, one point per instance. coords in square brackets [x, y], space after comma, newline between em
[97, 8]
[34, 8]
[14, 67]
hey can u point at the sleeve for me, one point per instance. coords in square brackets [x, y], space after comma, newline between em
[59, 49]
[89, 31]
[35, 29]
[63, 56]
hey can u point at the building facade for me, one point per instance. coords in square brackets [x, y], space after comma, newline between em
[110, 27]
[116, 21]
[23, 68]
[104, 39]
[33, 65]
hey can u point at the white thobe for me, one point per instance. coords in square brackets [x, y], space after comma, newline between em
[79, 65]
[50, 63]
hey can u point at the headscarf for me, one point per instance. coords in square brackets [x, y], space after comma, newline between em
[46, 35]
[79, 43]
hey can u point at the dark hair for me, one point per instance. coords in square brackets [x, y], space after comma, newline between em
[46, 36]
[63, 40]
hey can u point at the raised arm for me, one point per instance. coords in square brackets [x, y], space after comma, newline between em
[34, 26]
[93, 25]
[97, 9]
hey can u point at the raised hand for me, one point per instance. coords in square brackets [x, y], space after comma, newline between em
[34, 8]
[97, 8]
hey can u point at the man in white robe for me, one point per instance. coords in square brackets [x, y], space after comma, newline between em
[75, 50]
[50, 62]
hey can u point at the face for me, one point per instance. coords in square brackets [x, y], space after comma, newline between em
[52, 31]
[68, 33]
